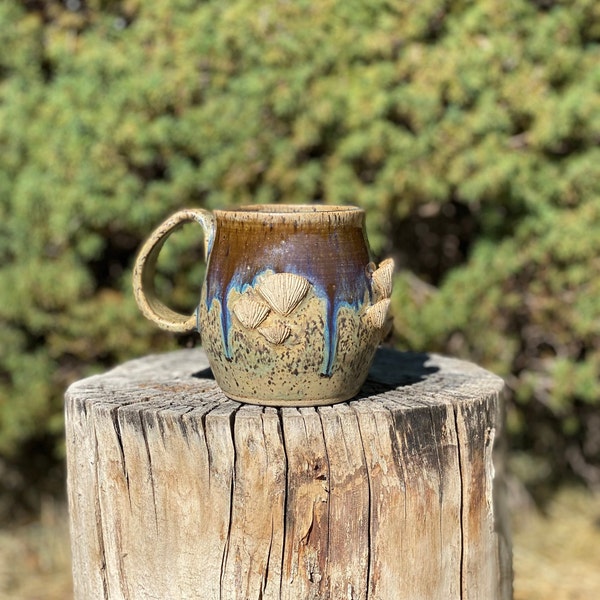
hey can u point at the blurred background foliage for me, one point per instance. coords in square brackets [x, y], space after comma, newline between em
[468, 129]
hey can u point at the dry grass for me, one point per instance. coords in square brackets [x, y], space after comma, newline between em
[35, 559]
[556, 557]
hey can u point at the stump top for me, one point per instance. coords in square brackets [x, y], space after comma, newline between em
[183, 379]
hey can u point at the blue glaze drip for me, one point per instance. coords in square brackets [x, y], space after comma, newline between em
[334, 300]
[240, 287]
[331, 332]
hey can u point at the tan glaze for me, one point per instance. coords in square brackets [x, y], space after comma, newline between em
[292, 308]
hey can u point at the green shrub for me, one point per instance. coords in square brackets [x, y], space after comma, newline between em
[469, 131]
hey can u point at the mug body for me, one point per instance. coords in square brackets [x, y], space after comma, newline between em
[292, 309]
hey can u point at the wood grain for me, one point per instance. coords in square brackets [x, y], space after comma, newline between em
[176, 492]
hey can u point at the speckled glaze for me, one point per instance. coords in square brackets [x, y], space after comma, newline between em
[292, 308]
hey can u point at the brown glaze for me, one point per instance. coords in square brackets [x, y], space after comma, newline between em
[325, 245]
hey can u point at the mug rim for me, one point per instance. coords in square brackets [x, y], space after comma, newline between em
[288, 212]
[290, 208]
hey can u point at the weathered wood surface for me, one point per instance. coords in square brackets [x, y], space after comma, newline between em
[176, 492]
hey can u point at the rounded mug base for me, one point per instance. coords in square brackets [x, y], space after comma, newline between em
[292, 403]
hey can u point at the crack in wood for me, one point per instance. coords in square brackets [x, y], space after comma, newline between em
[461, 506]
[369, 509]
[97, 506]
[225, 556]
[284, 527]
[144, 419]
[115, 421]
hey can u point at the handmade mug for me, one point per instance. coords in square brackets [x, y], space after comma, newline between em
[291, 309]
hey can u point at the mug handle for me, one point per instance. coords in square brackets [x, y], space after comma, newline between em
[145, 267]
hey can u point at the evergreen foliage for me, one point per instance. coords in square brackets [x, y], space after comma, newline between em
[469, 130]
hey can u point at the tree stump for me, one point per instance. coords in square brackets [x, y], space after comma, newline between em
[176, 492]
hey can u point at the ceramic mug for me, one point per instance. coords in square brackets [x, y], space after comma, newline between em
[291, 309]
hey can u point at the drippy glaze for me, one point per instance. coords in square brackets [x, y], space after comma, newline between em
[330, 254]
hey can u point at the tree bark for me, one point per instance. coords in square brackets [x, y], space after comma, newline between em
[176, 492]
